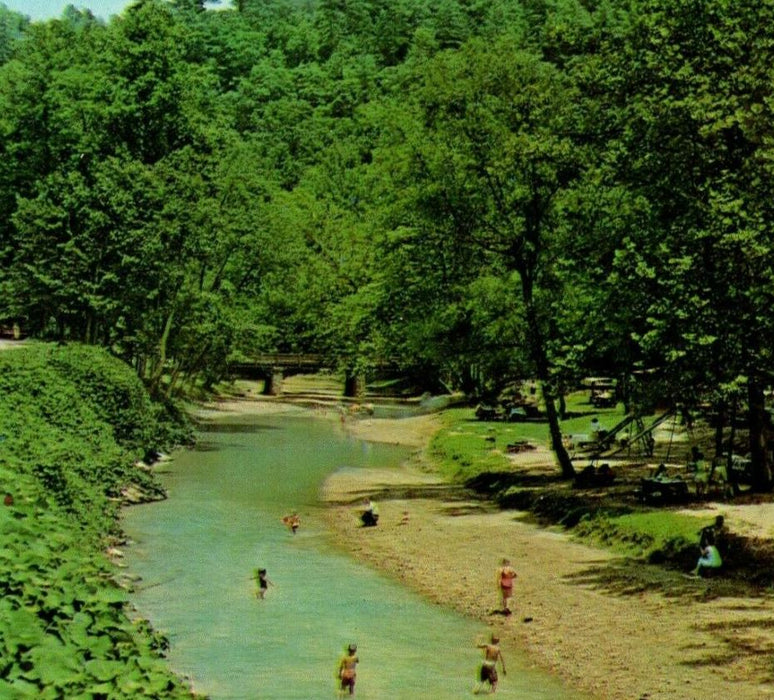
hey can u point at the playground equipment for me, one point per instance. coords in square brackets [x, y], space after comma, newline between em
[627, 434]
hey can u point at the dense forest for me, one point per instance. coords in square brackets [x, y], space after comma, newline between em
[480, 191]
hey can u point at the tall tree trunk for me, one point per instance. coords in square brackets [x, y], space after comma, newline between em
[538, 349]
[565, 463]
[761, 471]
[730, 459]
[721, 412]
[161, 360]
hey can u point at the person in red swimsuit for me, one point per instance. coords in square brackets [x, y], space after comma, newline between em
[505, 578]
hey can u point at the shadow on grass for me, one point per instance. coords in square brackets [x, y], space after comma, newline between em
[631, 577]
[495, 482]
[744, 640]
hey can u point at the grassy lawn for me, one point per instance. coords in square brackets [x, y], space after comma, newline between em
[467, 448]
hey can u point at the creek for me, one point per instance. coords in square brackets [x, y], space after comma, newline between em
[196, 552]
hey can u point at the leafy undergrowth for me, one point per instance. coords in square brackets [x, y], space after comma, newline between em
[73, 422]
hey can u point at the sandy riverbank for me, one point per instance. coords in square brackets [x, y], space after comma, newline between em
[580, 613]
[587, 619]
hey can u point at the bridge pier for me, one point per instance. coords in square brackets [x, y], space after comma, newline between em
[354, 384]
[273, 384]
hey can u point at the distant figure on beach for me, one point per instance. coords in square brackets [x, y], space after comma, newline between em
[292, 521]
[488, 672]
[263, 583]
[370, 516]
[348, 669]
[505, 577]
[701, 474]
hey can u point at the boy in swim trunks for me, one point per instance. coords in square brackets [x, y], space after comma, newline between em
[505, 577]
[263, 582]
[348, 669]
[489, 666]
[292, 521]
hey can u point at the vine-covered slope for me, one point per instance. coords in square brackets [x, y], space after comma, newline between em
[73, 422]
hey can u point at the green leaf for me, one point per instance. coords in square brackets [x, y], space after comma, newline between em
[103, 669]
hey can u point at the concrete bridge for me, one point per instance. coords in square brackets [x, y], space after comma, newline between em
[274, 367]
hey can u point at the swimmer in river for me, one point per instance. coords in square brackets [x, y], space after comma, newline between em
[348, 669]
[292, 521]
[263, 583]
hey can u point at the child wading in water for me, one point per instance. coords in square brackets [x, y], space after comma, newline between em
[489, 666]
[348, 670]
[263, 583]
[292, 521]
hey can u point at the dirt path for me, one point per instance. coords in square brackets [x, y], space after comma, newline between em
[581, 613]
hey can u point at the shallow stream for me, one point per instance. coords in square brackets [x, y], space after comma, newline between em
[197, 550]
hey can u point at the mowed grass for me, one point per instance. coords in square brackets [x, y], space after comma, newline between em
[640, 534]
[466, 447]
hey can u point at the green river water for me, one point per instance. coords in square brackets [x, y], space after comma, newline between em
[196, 552]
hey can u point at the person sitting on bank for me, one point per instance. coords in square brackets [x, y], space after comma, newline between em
[709, 561]
[661, 472]
[370, 516]
[712, 534]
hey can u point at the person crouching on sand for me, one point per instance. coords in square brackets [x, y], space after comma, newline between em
[505, 578]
